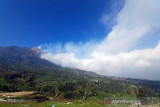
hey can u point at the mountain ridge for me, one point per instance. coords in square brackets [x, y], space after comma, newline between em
[28, 59]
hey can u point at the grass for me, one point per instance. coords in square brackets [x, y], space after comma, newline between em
[100, 96]
[75, 103]
[65, 103]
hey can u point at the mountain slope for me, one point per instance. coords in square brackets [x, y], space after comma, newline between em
[22, 59]
[22, 69]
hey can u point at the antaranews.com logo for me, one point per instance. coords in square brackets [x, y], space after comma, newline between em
[131, 101]
[120, 101]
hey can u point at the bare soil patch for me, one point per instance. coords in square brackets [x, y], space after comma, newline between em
[23, 93]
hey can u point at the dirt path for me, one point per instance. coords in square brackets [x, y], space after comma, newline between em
[23, 93]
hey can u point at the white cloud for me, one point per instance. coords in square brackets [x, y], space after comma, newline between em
[135, 20]
[137, 63]
[113, 56]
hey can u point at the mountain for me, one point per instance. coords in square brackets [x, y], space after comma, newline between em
[22, 69]
[23, 59]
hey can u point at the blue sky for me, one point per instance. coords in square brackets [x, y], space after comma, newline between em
[33, 22]
[110, 37]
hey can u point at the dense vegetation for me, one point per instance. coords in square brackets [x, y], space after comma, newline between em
[22, 69]
[71, 87]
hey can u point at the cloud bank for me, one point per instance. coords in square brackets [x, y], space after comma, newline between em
[115, 55]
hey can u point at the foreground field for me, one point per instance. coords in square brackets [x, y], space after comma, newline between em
[53, 101]
[78, 103]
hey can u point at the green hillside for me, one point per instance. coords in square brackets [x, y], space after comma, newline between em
[22, 69]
